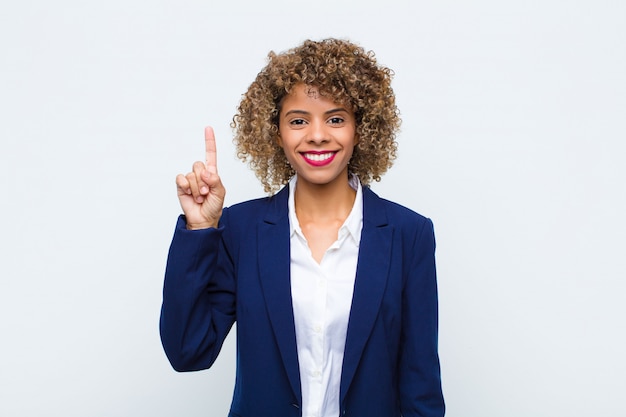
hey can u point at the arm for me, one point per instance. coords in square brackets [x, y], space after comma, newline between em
[198, 297]
[420, 377]
[199, 291]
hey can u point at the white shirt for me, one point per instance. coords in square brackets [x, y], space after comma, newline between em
[322, 297]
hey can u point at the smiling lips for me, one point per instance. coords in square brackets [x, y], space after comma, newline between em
[319, 158]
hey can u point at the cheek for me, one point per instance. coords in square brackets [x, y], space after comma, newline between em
[355, 141]
[288, 150]
[283, 142]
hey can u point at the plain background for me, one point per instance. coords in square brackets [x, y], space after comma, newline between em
[512, 142]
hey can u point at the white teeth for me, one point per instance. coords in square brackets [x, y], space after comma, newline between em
[318, 157]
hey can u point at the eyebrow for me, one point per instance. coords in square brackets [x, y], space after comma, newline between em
[337, 110]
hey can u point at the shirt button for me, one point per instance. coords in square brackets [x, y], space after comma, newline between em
[317, 329]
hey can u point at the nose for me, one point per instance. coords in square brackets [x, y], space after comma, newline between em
[317, 132]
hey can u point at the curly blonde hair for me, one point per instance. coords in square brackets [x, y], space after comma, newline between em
[342, 72]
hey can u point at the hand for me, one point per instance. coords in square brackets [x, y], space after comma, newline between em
[200, 192]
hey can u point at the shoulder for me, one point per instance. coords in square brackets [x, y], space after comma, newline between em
[393, 213]
[244, 207]
[412, 229]
[251, 211]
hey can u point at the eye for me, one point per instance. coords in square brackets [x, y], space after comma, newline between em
[336, 120]
[297, 122]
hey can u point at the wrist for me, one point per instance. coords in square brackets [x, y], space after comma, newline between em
[200, 226]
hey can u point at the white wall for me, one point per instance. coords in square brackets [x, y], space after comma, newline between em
[513, 142]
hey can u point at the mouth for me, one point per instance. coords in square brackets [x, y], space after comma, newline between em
[317, 158]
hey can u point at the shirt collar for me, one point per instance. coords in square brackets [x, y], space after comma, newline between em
[351, 226]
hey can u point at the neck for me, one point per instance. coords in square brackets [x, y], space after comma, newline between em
[324, 202]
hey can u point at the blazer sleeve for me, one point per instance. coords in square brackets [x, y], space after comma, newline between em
[419, 371]
[198, 307]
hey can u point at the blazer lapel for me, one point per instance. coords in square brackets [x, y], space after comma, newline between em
[274, 267]
[370, 282]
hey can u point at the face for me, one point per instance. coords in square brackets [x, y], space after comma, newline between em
[317, 135]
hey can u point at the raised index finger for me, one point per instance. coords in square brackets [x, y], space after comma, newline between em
[211, 150]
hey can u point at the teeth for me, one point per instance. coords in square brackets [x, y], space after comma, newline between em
[318, 157]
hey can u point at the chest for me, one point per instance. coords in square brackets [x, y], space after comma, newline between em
[320, 237]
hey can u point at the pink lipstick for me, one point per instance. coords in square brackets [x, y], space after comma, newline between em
[318, 158]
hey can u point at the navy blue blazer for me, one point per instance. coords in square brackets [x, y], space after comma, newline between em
[240, 272]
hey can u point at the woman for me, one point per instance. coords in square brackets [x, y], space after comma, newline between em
[333, 288]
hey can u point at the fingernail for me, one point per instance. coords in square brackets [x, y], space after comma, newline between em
[204, 190]
[199, 199]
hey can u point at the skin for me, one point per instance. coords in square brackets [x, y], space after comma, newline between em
[311, 127]
[312, 124]
[201, 192]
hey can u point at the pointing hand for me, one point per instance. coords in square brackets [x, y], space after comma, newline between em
[200, 192]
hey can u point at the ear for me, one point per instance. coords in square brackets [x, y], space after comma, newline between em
[279, 139]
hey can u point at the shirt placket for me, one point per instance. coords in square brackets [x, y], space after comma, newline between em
[317, 326]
